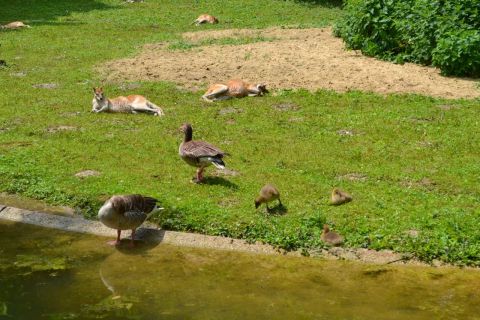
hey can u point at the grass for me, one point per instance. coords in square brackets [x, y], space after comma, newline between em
[187, 45]
[420, 161]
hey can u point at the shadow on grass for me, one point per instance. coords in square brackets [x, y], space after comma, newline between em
[219, 181]
[322, 3]
[278, 210]
[40, 12]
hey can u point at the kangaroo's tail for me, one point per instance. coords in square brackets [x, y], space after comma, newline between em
[158, 110]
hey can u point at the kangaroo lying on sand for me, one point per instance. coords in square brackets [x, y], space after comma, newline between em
[130, 104]
[234, 89]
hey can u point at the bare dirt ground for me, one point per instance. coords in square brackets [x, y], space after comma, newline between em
[295, 58]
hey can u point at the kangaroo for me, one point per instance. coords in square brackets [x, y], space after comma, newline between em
[205, 18]
[234, 89]
[15, 25]
[129, 104]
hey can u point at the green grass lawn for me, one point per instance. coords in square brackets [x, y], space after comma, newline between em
[418, 158]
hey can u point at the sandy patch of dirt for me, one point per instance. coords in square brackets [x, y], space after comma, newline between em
[87, 173]
[296, 58]
[61, 128]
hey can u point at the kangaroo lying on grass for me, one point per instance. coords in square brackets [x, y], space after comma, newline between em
[234, 89]
[15, 25]
[130, 104]
[205, 18]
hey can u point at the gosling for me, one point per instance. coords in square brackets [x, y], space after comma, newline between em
[330, 237]
[268, 194]
[339, 197]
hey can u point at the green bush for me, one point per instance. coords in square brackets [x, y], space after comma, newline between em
[442, 33]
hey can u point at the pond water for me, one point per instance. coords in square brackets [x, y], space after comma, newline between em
[50, 274]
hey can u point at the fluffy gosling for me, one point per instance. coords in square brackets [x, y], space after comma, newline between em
[330, 237]
[267, 194]
[339, 197]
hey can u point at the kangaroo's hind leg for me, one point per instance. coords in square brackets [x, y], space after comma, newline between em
[215, 94]
[157, 111]
[143, 108]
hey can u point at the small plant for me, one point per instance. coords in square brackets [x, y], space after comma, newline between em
[439, 33]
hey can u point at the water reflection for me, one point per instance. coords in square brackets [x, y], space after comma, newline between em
[162, 281]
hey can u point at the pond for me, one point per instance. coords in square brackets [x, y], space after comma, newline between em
[51, 274]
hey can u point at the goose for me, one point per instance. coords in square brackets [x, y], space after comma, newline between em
[199, 154]
[205, 18]
[234, 89]
[126, 212]
[339, 197]
[330, 237]
[15, 25]
[267, 194]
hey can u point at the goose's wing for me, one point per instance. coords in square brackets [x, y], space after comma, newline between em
[137, 202]
[198, 149]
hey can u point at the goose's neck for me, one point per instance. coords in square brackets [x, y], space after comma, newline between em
[188, 134]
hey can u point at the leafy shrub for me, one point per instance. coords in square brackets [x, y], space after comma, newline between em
[443, 33]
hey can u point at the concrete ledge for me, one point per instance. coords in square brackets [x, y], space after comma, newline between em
[155, 235]
[77, 224]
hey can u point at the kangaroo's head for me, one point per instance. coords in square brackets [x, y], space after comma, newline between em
[98, 93]
[99, 96]
[261, 88]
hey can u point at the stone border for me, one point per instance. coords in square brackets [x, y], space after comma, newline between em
[81, 225]
[78, 224]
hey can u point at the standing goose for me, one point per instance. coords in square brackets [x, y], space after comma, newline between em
[330, 237]
[199, 154]
[126, 213]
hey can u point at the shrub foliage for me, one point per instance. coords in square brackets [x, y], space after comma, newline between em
[443, 33]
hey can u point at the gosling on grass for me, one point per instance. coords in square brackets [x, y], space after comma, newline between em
[339, 197]
[330, 237]
[127, 213]
[268, 194]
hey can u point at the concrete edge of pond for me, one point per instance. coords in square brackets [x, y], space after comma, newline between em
[81, 225]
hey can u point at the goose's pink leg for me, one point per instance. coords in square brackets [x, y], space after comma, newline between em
[116, 242]
[199, 175]
[132, 244]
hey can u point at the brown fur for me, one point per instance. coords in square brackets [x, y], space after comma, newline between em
[234, 88]
[205, 18]
[130, 104]
[15, 25]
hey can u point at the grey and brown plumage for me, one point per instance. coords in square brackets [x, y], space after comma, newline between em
[205, 18]
[199, 154]
[126, 212]
[15, 25]
[339, 197]
[267, 194]
[330, 237]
